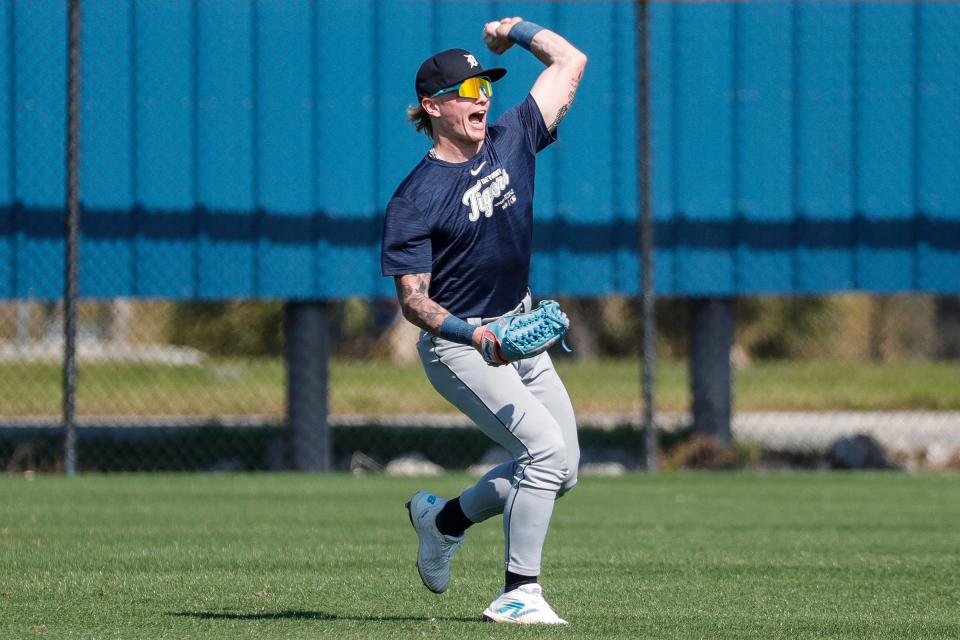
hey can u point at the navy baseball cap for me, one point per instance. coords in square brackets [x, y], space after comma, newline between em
[451, 67]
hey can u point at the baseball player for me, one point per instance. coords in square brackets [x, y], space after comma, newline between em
[457, 239]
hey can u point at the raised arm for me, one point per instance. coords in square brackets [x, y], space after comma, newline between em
[556, 87]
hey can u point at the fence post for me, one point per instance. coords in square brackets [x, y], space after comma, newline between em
[307, 351]
[948, 326]
[711, 338]
[72, 241]
[647, 290]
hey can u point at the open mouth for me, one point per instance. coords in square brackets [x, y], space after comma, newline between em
[477, 118]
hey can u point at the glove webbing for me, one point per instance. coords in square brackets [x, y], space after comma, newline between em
[529, 330]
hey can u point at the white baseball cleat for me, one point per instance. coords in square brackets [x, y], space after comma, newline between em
[523, 605]
[436, 550]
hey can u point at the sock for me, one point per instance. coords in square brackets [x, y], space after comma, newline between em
[514, 580]
[451, 520]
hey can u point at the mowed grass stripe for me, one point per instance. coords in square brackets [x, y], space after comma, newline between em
[303, 556]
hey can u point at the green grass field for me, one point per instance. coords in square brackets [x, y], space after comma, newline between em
[305, 556]
[223, 386]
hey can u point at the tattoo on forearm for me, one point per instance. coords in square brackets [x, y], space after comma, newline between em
[418, 308]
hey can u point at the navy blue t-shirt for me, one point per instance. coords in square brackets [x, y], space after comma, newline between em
[470, 224]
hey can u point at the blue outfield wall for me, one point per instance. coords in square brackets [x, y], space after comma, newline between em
[237, 149]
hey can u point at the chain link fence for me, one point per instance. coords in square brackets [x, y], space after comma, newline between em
[174, 382]
[183, 385]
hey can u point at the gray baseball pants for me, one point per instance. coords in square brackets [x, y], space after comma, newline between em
[524, 408]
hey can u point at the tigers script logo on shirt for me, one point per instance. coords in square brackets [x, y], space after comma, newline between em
[482, 196]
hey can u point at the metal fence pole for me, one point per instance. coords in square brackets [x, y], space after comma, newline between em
[306, 325]
[947, 310]
[711, 338]
[72, 232]
[648, 294]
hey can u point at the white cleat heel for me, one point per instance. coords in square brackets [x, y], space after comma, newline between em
[523, 605]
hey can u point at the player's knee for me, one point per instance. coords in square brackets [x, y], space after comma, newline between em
[551, 463]
[573, 465]
[569, 483]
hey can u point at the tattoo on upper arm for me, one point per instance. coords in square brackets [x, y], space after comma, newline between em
[562, 112]
[415, 303]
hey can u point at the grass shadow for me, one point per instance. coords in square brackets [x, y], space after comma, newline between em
[313, 615]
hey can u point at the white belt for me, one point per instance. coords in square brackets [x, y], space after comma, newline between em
[525, 305]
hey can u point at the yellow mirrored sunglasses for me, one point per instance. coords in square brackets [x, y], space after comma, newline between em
[470, 88]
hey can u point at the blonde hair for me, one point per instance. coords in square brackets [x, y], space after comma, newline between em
[420, 120]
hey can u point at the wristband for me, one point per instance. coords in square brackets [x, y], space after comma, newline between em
[456, 330]
[522, 33]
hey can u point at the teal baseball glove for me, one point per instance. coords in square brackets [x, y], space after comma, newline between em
[524, 335]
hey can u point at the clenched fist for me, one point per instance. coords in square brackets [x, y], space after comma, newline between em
[495, 34]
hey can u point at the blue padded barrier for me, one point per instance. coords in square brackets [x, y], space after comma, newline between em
[237, 149]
